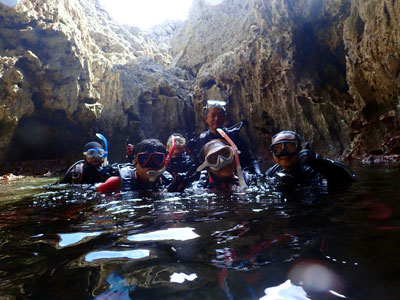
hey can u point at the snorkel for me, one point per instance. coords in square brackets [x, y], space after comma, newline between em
[153, 174]
[242, 183]
[100, 136]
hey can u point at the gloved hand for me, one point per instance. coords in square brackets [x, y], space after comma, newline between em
[182, 180]
[285, 180]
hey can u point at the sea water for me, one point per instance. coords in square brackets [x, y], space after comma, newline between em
[69, 242]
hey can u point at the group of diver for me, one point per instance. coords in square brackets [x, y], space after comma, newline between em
[214, 161]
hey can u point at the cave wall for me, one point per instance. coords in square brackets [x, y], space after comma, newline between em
[329, 69]
[287, 72]
[325, 68]
[66, 73]
[372, 39]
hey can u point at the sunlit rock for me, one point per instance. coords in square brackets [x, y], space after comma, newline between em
[68, 63]
[328, 69]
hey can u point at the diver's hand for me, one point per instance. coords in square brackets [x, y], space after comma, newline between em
[182, 180]
[179, 183]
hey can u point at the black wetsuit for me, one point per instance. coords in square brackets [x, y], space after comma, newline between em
[247, 159]
[312, 168]
[180, 164]
[82, 172]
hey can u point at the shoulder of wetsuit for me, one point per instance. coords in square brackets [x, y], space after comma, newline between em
[271, 172]
[76, 167]
[204, 134]
[340, 170]
[235, 129]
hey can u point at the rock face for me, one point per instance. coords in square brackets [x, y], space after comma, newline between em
[68, 71]
[329, 69]
[372, 37]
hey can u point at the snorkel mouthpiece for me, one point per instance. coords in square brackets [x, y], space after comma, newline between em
[154, 174]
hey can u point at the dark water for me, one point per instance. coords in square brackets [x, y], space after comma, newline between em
[71, 243]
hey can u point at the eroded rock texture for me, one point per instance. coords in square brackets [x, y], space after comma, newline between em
[372, 37]
[67, 71]
[286, 70]
[329, 69]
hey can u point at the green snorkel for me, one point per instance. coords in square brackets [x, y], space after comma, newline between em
[100, 136]
[235, 151]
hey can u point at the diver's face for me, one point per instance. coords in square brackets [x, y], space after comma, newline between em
[178, 150]
[215, 118]
[142, 172]
[94, 160]
[225, 172]
[287, 162]
[145, 162]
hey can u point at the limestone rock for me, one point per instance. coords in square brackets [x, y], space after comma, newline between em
[280, 65]
[65, 67]
[372, 37]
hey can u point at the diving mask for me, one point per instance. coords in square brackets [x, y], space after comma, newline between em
[154, 160]
[285, 148]
[179, 141]
[213, 103]
[95, 152]
[218, 158]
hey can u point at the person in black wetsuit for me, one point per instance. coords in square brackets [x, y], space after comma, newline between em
[180, 160]
[297, 166]
[217, 158]
[90, 170]
[147, 173]
[215, 117]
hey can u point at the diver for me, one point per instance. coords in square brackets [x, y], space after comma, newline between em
[218, 158]
[215, 116]
[180, 160]
[147, 173]
[92, 169]
[297, 166]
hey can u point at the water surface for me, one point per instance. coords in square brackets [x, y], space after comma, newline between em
[68, 242]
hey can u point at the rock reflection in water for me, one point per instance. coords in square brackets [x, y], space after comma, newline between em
[64, 242]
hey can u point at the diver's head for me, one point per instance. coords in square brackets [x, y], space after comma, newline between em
[94, 153]
[180, 144]
[285, 147]
[218, 158]
[149, 159]
[215, 114]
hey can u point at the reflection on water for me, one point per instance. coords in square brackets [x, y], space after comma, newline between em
[133, 254]
[68, 239]
[68, 242]
[177, 234]
[181, 277]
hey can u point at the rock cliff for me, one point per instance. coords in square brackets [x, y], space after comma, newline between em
[68, 71]
[329, 69]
